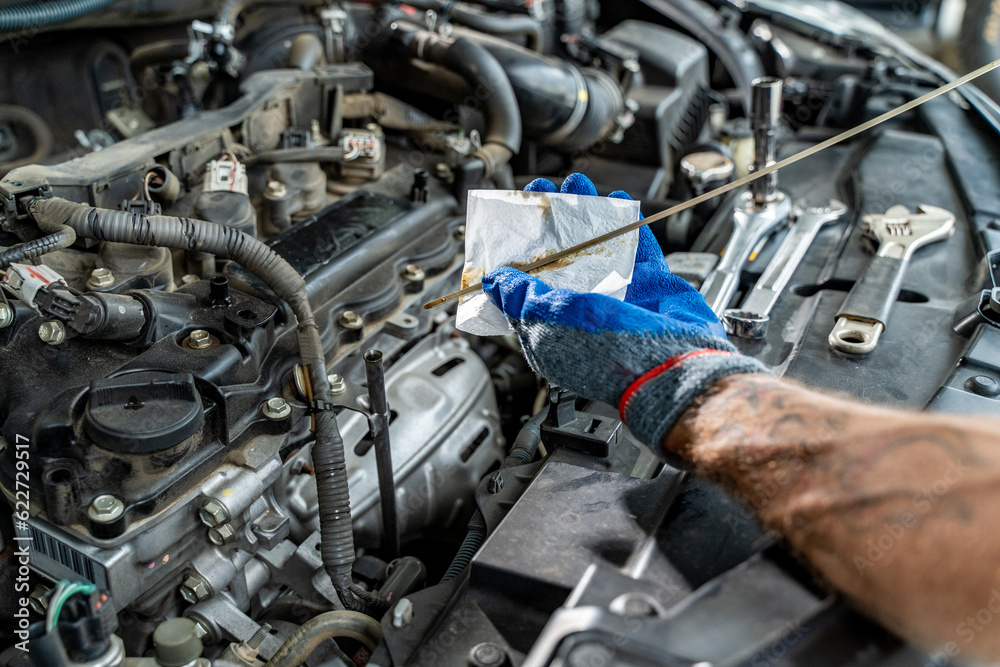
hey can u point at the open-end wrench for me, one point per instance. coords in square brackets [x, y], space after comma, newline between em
[751, 319]
[751, 224]
[862, 318]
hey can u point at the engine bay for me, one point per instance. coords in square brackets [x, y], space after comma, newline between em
[224, 409]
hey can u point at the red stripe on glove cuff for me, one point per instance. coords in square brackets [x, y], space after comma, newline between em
[659, 370]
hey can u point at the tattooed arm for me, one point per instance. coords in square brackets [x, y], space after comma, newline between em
[898, 510]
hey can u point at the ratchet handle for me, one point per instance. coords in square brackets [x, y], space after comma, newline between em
[872, 297]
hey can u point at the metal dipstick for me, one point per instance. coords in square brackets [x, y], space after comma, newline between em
[379, 424]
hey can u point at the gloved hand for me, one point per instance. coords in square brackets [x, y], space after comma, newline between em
[651, 355]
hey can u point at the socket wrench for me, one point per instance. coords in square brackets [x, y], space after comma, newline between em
[751, 225]
[863, 316]
[751, 319]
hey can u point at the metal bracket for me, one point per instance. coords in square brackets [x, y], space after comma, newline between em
[582, 431]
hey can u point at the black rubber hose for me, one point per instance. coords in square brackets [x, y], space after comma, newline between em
[489, 84]
[336, 530]
[526, 443]
[41, 134]
[32, 249]
[46, 13]
[560, 104]
[521, 453]
[301, 643]
[157, 53]
[473, 541]
[500, 25]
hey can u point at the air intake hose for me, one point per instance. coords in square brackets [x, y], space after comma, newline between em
[560, 104]
[337, 539]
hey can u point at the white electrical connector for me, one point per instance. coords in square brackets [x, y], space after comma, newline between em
[226, 176]
[360, 144]
[24, 281]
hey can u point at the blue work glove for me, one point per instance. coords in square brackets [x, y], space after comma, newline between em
[650, 355]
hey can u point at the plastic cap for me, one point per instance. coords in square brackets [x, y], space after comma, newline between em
[176, 642]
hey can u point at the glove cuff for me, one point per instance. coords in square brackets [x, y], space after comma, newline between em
[653, 403]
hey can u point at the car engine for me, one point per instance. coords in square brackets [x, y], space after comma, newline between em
[225, 412]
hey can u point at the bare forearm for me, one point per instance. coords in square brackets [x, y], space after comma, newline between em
[895, 509]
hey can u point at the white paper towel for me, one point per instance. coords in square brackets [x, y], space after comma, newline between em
[510, 227]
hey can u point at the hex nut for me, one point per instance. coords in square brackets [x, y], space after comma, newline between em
[39, 599]
[276, 408]
[195, 589]
[213, 513]
[413, 273]
[52, 332]
[442, 170]
[276, 189]
[199, 339]
[351, 320]
[6, 315]
[337, 383]
[101, 278]
[105, 509]
[223, 534]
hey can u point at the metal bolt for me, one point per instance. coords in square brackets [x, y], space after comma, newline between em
[52, 332]
[413, 273]
[487, 654]
[442, 170]
[224, 534]
[258, 637]
[495, 483]
[105, 509]
[337, 383]
[101, 277]
[199, 339]
[199, 628]
[249, 648]
[402, 613]
[351, 320]
[6, 315]
[195, 589]
[276, 408]
[213, 513]
[276, 189]
[460, 233]
[38, 600]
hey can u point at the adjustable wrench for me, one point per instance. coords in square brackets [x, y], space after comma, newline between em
[862, 318]
[751, 224]
[751, 319]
